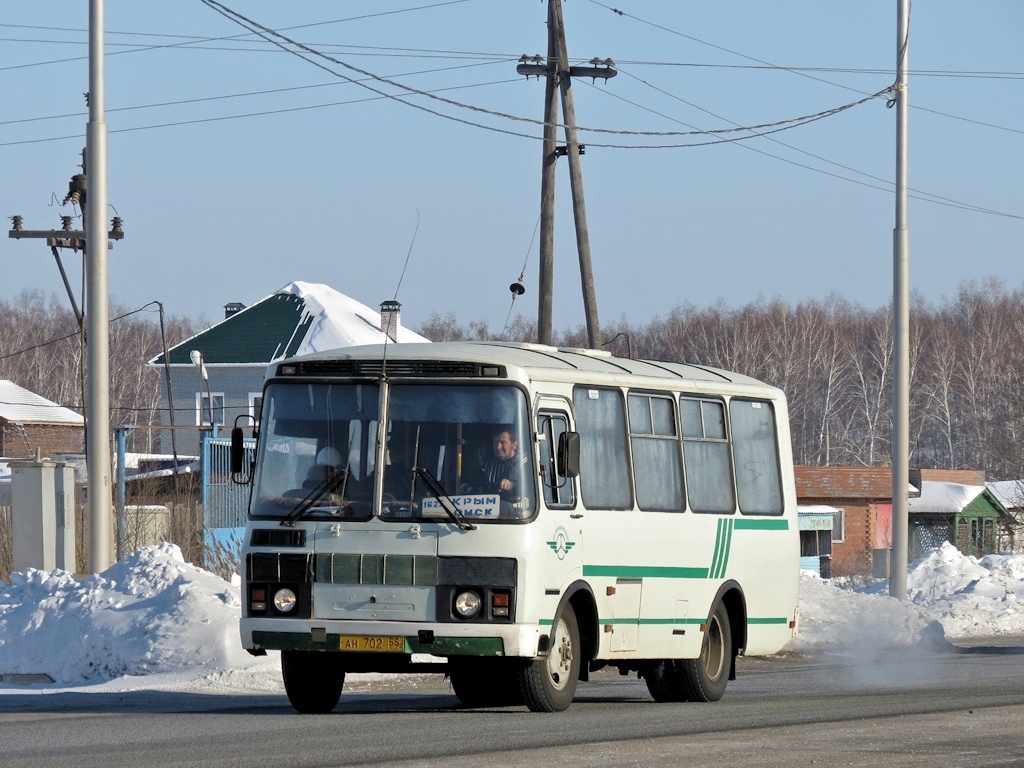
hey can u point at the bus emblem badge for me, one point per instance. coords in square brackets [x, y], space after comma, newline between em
[561, 544]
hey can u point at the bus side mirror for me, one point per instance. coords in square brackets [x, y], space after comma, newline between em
[569, 454]
[237, 451]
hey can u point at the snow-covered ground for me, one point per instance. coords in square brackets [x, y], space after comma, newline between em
[154, 621]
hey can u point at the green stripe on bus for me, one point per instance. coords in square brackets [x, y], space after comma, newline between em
[663, 622]
[640, 571]
[762, 525]
[722, 540]
[693, 621]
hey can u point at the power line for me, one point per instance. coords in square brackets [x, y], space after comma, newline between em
[73, 335]
[246, 94]
[230, 37]
[263, 113]
[918, 194]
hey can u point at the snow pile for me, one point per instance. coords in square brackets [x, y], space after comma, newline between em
[969, 596]
[153, 620]
[950, 596]
[149, 613]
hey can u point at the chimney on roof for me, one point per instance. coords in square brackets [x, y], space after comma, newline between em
[390, 317]
[233, 308]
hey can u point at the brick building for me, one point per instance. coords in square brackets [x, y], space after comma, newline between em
[862, 497]
[31, 423]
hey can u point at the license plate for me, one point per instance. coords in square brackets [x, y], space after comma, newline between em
[375, 643]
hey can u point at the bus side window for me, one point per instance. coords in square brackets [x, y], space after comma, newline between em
[558, 489]
[706, 457]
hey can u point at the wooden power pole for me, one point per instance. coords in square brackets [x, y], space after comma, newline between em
[558, 81]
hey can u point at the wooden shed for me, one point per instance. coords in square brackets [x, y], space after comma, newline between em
[968, 516]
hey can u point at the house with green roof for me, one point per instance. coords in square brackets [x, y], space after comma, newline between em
[300, 318]
[968, 516]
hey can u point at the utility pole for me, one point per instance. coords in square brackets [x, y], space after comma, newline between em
[546, 280]
[557, 72]
[901, 325]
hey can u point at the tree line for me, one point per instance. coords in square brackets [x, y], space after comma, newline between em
[42, 349]
[833, 359]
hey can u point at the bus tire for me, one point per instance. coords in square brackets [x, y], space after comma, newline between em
[313, 681]
[485, 682]
[663, 681]
[549, 684]
[705, 678]
[702, 679]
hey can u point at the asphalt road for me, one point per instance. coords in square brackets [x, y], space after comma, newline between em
[953, 708]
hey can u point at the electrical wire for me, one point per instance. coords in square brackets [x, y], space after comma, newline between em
[918, 194]
[187, 42]
[305, 52]
[522, 275]
[73, 335]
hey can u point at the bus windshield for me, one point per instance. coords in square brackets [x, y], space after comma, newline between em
[318, 452]
[474, 440]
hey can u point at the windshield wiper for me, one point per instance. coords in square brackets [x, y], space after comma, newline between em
[326, 487]
[439, 493]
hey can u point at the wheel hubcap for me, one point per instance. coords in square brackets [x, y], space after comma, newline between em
[560, 658]
[712, 654]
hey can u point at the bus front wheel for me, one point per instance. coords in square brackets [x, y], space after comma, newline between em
[549, 684]
[700, 679]
[313, 681]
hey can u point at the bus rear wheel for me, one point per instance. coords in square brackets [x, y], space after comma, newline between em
[701, 679]
[313, 681]
[485, 682]
[549, 684]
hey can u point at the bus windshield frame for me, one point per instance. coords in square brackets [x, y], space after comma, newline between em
[322, 443]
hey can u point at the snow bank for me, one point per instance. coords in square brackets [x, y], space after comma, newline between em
[949, 595]
[153, 620]
[149, 613]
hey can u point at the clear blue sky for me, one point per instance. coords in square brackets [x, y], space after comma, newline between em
[238, 168]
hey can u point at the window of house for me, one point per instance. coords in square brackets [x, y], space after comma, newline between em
[203, 408]
[839, 526]
[255, 406]
[815, 543]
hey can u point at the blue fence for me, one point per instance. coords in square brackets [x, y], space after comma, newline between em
[224, 502]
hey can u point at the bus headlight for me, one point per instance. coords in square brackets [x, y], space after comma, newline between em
[285, 600]
[467, 604]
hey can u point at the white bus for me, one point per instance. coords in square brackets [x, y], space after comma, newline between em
[517, 516]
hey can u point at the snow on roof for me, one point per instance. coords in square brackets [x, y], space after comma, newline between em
[21, 406]
[944, 498]
[299, 319]
[339, 320]
[1010, 493]
[815, 509]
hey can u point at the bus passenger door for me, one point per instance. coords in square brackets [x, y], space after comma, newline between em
[561, 523]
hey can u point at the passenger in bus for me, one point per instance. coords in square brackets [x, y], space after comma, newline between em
[329, 477]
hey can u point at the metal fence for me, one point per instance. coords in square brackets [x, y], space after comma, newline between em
[224, 501]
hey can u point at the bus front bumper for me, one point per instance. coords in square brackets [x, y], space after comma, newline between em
[266, 634]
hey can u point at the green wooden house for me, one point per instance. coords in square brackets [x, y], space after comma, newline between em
[968, 516]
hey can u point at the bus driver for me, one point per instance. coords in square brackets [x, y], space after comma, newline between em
[503, 472]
